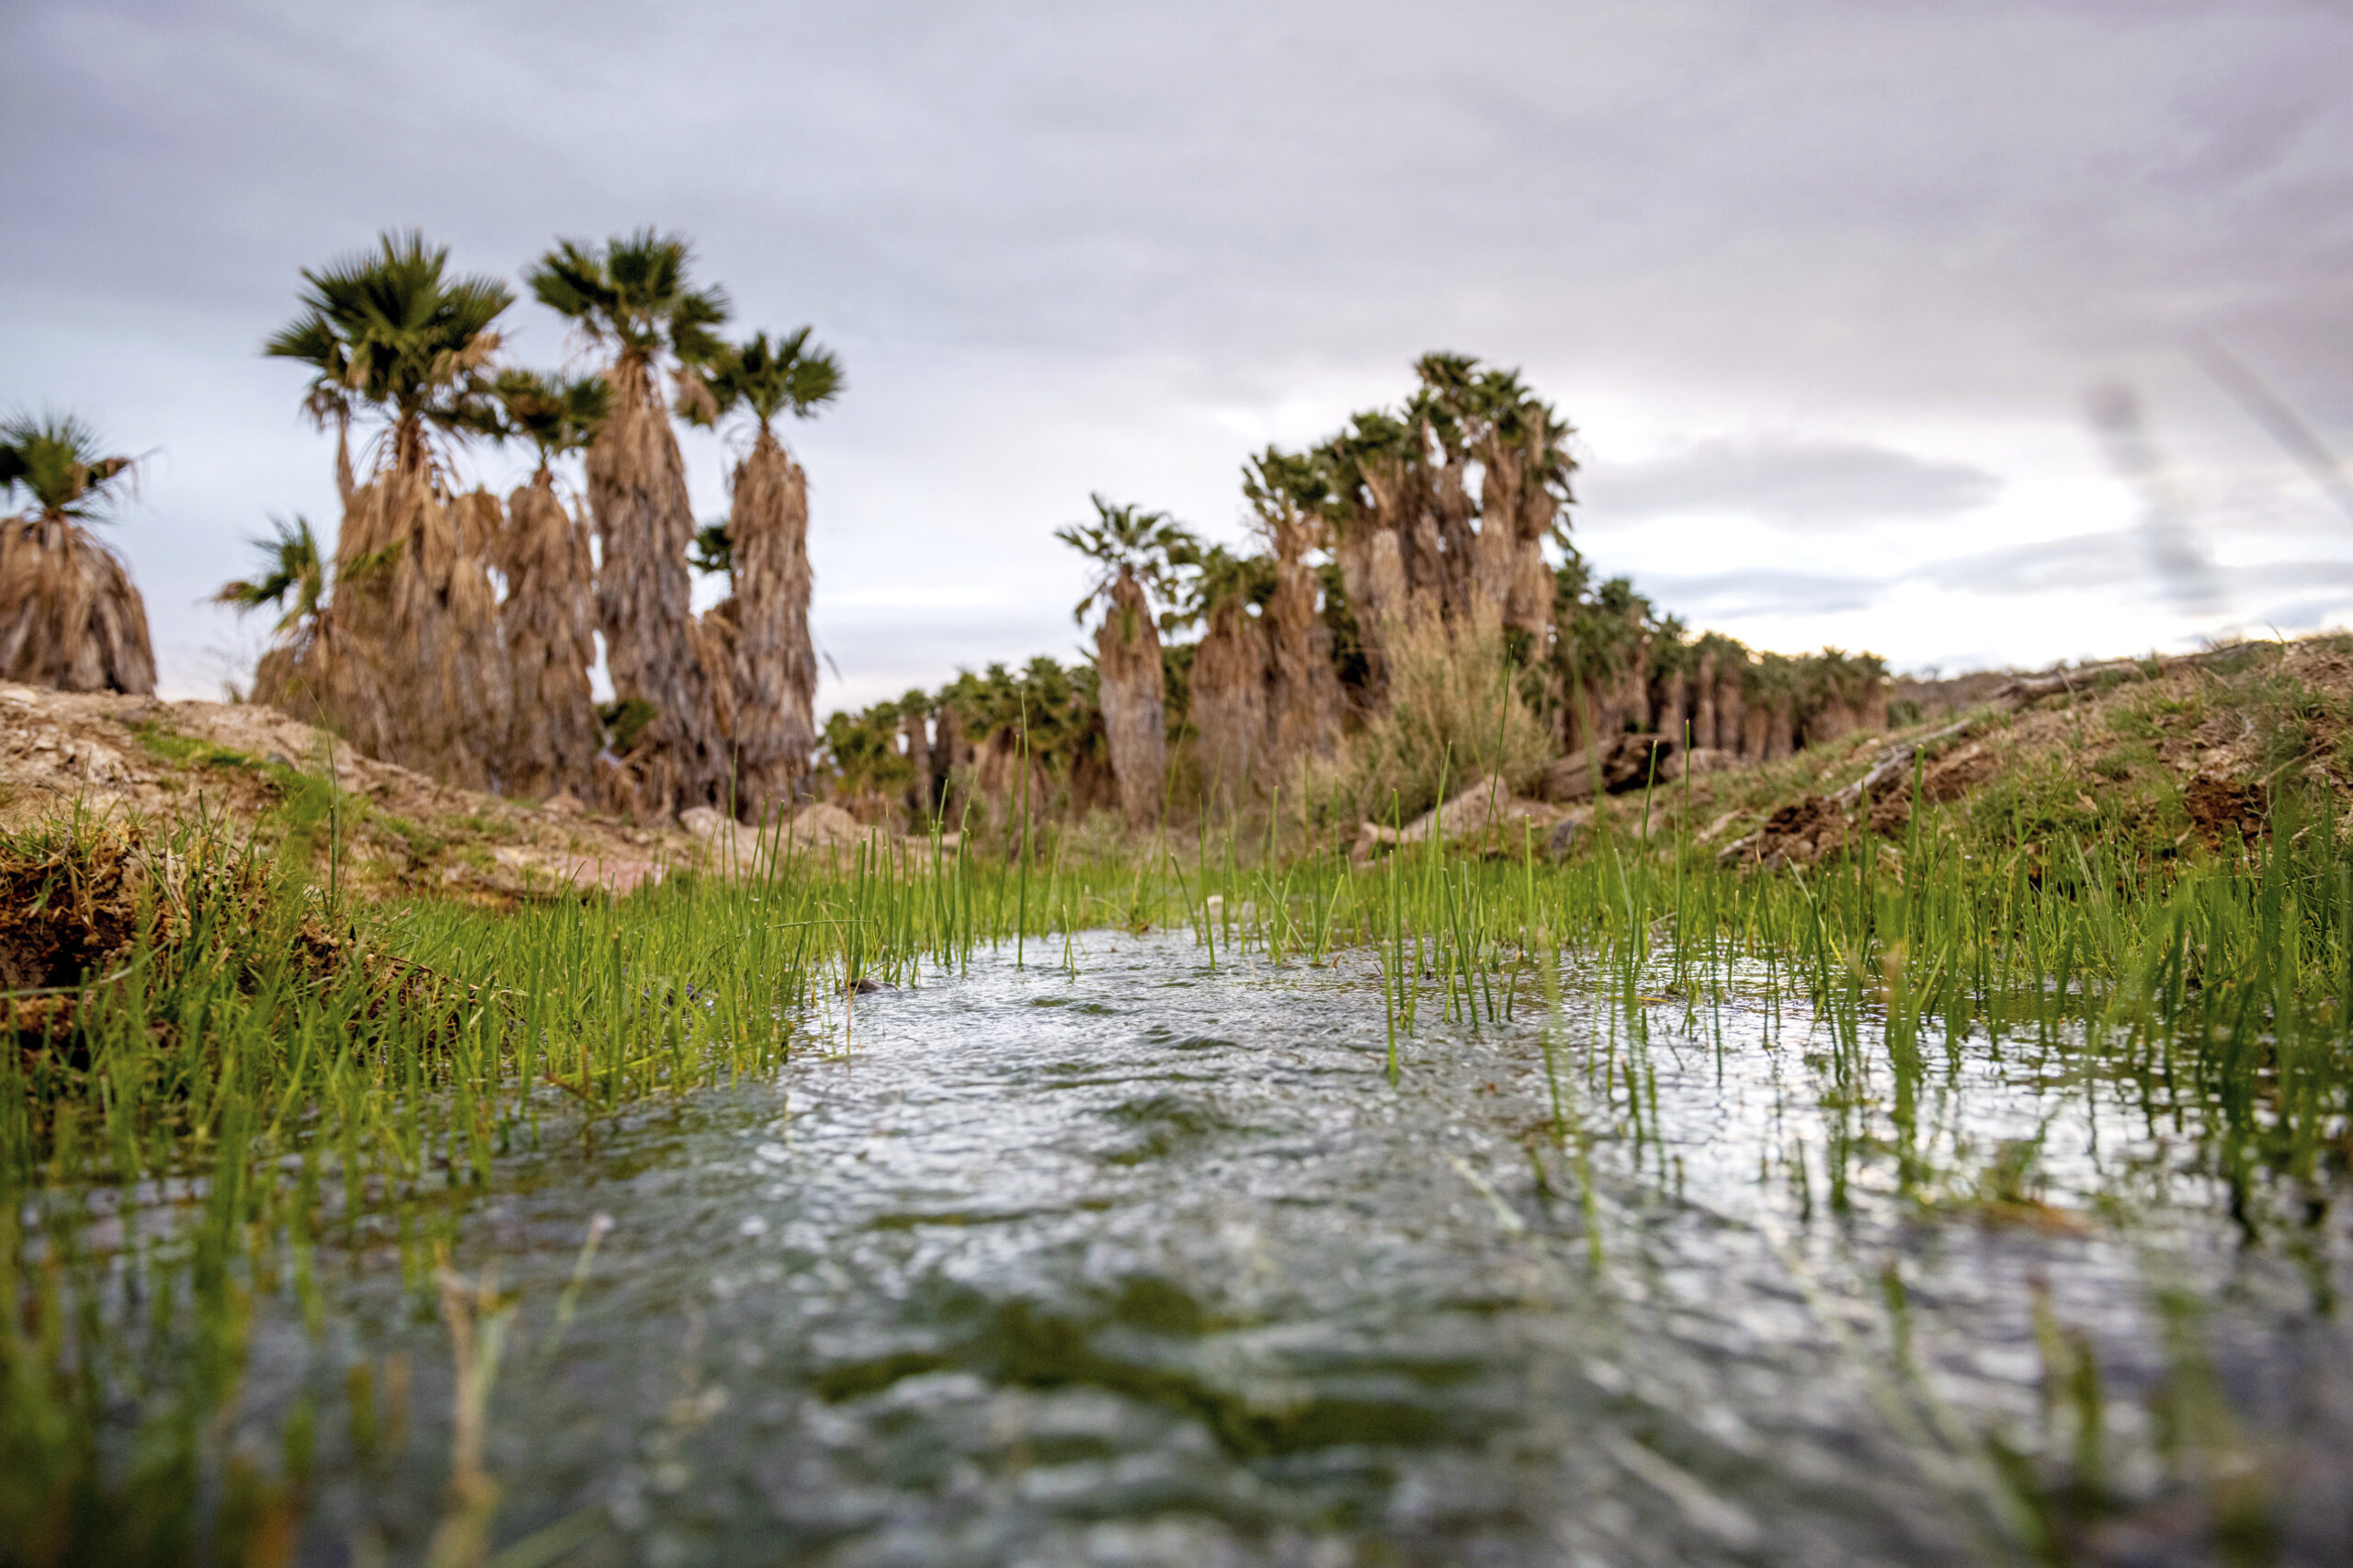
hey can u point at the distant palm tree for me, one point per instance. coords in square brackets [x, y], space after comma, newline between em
[1287, 493]
[1137, 554]
[392, 335]
[69, 615]
[1227, 692]
[632, 299]
[772, 659]
[297, 669]
[549, 616]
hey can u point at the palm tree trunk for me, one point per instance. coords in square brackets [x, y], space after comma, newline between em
[921, 799]
[653, 648]
[419, 619]
[1134, 700]
[1303, 697]
[70, 617]
[550, 621]
[773, 666]
[1229, 702]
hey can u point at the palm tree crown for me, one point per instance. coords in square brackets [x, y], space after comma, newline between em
[57, 458]
[394, 329]
[1127, 540]
[790, 375]
[631, 294]
[292, 570]
[1221, 577]
[557, 416]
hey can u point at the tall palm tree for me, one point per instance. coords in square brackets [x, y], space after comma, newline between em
[1136, 554]
[393, 336]
[632, 300]
[69, 615]
[549, 616]
[1228, 687]
[1366, 473]
[1287, 493]
[772, 662]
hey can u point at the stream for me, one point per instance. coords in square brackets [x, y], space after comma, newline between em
[1152, 1265]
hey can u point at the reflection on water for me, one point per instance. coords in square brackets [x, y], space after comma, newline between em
[1152, 1266]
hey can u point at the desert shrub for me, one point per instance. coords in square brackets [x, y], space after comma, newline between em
[1454, 714]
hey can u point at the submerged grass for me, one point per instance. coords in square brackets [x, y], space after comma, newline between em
[216, 1068]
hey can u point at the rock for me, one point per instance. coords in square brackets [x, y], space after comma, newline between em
[1698, 760]
[1487, 804]
[563, 803]
[703, 822]
[824, 824]
[1568, 834]
[1619, 763]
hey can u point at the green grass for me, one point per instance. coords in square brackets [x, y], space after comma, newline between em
[314, 1073]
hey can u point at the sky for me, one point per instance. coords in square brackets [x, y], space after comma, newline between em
[1842, 298]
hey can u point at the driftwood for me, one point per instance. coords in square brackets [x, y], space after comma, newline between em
[1487, 804]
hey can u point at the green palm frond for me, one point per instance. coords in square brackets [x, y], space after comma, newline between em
[1127, 540]
[714, 549]
[293, 576]
[556, 415]
[1221, 577]
[62, 462]
[394, 330]
[632, 295]
[790, 375]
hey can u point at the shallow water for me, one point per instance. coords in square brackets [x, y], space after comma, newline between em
[1153, 1265]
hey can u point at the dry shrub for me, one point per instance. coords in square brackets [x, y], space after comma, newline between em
[1453, 713]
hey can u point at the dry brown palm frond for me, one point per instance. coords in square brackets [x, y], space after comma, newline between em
[1134, 699]
[70, 617]
[548, 621]
[637, 494]
[1229, 702]
[772, 661]
[421, 676]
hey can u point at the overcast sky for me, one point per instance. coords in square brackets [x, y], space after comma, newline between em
[1825, 288]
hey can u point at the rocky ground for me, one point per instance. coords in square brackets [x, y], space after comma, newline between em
[2163, 757]
[159, 763]
[2157, 758]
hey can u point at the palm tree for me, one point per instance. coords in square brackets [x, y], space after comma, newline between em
[632, 299]
[69, 615]
[772, 662]
[1228, 687]
[1365, 471]
[1287, 493]
[392, 335]
[1136, 553]
[301, 672]
[549, 616]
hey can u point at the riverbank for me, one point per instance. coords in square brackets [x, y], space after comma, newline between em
[261, 1155]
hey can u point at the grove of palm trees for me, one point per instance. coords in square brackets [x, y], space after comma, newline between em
[1394, 787]
[1421, 551]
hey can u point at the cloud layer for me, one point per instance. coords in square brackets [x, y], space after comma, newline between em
[1821, 285]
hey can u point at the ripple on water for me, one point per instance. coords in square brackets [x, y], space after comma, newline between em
[1154, 1267]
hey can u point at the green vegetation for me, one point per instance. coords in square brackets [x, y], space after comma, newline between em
[219, 1068]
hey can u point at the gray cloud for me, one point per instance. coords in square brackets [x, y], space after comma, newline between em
[1064, 247]
[1802, 484]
